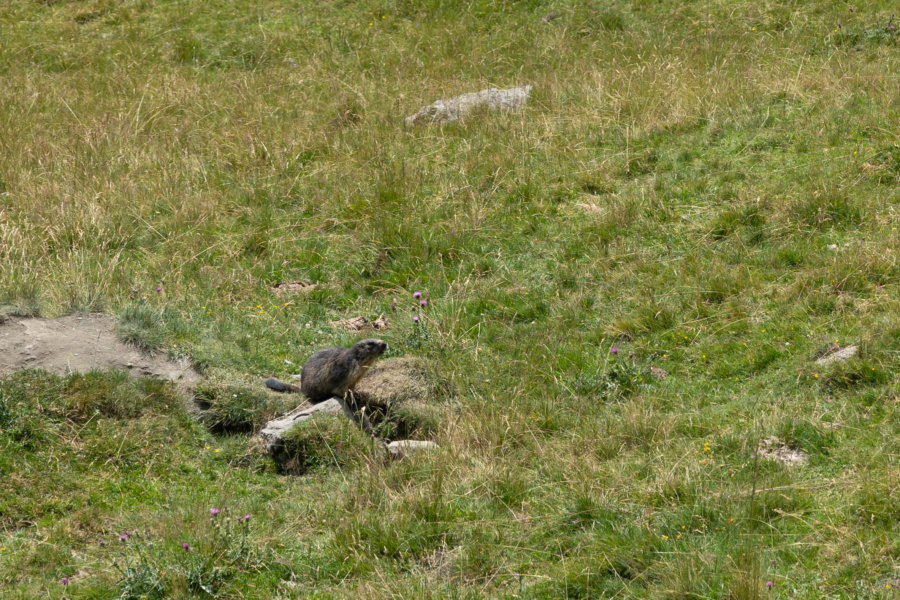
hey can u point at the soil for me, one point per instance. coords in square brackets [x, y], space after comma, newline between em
[81, 343]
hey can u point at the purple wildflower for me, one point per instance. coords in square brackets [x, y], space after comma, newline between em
[769, 585]
[614, 350]
[159, 288]
[423, 302]
[417, 295]
[123, 537]
[102, 542]
[185, 546]
[246, 517]
[65, 581]
[416, 318]
[214, 511]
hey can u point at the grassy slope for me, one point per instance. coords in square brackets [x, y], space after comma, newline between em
[671, 189]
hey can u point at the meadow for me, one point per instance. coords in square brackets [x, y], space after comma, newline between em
[709, 189]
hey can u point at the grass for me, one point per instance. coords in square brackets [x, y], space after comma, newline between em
[712, 186]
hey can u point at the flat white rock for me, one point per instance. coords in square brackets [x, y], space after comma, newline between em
[452, 109]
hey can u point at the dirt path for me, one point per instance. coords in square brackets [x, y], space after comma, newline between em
[80, 343]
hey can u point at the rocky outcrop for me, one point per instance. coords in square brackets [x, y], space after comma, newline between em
[397, 397]
[453, 109]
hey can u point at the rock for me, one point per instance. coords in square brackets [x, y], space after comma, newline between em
[773, 448]
[838, 355]
[452, 109]
[270, 437]
[402, 448]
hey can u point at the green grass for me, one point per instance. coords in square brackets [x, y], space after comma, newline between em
[676, 187]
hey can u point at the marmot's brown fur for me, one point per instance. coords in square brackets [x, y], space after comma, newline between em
[333, 371]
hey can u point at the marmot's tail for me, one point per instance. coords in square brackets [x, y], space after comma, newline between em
[280, 386]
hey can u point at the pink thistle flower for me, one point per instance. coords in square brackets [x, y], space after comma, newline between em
[423, 302]
[614, 350]
[214, 511]
[769, 585]
[185, 546]
[416, 318]
[417, 295]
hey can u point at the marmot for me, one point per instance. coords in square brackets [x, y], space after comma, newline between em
[333, 371]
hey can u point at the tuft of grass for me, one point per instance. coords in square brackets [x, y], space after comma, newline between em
[142, 326]
[324, 441]
[238, 408]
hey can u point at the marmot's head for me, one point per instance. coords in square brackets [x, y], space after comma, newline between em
[367, 351]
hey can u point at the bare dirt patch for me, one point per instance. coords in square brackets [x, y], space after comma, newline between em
[362, 323]
[81, 343]
[773, 448]
[292, 287]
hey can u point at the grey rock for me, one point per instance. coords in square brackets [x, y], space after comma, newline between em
[452, 109]
[402, 448]
[839, 355]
